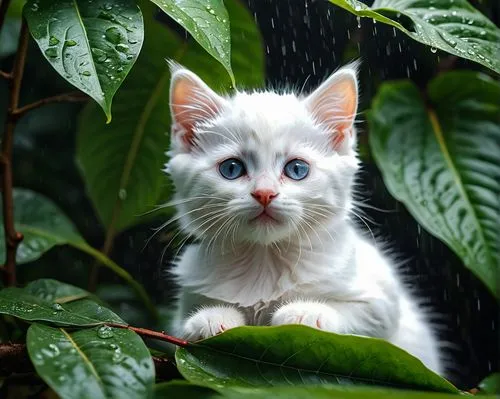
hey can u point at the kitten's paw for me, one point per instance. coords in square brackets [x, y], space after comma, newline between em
[312, 314]
[211, 321]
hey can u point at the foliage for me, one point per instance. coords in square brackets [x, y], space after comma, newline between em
[437, 148]
[439, 156]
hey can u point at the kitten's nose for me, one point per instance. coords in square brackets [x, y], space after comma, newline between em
[264, 197]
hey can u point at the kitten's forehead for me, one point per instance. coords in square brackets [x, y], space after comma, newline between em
[268, 116]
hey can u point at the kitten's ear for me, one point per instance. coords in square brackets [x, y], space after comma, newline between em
[191, 102]
[334, 105]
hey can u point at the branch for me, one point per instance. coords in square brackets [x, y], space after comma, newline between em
[12, 237]
[14, 359]
[76, 96]
[152, 334]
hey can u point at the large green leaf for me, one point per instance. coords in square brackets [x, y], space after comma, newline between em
[453, 26]
[296, 355]
[185, 390]
[208, 22]
[37, 303]
[44, 225]
[440, 156]
[55, 291]
[490, 384]
[95, 363]
[130, 152]
[92, 44]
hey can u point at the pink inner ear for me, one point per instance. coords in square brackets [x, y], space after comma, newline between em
[191, 102]
[334, 105]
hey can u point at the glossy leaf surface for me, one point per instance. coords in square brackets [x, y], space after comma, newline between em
[442, 160]
[297, 355]
[453, 26]
[100, 362]
[90, 43]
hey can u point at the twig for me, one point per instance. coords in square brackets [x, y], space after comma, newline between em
[5, 75]
[152, 334]
[12, 237]
[14, 359]
[4, 6]
[76, 96]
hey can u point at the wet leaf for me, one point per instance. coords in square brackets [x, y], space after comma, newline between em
[452, 26]
[91, 44]
[208, 22]
[185, 390]
[490, 384]
[440, 156]
[297, 355]
[35, 304]
[55, 291]
[44, 225]
[41, 222]
[130, 152]
[100, 362]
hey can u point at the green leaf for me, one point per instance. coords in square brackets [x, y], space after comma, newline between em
[297, 355]
[55, 291]
[130, 152]
[41, 222]
[452, 26]
[44, 225]
[440, 156]
[208, 22]
[100, 362]
[91, 44]
[185, 390]
[34, 304]
[490, 384]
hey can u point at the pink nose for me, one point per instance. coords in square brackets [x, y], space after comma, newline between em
[264, 197]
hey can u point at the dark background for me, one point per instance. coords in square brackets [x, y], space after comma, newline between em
[304, 42]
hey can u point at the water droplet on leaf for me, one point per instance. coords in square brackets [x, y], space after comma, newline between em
[114, 35]
[99, 55]
[86, 73]
[53, 41]
[70, 43]
[105, 332]
[51, 52]
[122, 48]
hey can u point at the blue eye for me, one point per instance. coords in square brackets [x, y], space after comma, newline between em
[232, 168]
[297, 169]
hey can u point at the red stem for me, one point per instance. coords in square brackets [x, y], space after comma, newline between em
[152, 334]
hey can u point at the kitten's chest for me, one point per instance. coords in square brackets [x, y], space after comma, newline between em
[261, 278]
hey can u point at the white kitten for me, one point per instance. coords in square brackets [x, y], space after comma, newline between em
[264, 182]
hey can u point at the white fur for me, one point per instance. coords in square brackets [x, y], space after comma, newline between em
[313, 267]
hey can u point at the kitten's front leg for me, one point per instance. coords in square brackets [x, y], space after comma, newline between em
[313, 314]
[210, 321]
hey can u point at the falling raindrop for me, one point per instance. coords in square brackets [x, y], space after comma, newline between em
[122, 194]
[358, 18]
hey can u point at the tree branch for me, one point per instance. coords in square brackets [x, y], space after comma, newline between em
[14, 359]
[12, 237]
[75, 96]
[152, 334]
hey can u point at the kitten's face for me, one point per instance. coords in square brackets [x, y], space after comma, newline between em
[261, 167]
